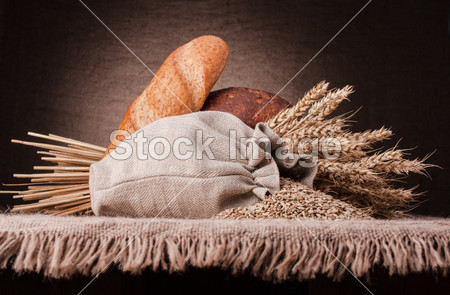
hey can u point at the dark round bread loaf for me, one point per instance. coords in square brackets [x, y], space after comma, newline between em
[245, 103]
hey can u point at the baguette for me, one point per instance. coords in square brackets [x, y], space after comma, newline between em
[180, 86]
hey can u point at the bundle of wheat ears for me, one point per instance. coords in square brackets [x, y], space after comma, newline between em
[351, 170]
[356, 173]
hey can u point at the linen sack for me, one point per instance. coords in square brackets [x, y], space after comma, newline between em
[220, 163]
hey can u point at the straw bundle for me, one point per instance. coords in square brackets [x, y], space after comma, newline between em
[62, 188]
[349, 170]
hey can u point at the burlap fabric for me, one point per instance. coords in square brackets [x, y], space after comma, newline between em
[230, 165]
[271, 249]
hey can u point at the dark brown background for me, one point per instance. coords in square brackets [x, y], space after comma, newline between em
[63, 72]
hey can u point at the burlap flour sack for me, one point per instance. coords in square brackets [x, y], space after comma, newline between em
[191, 166]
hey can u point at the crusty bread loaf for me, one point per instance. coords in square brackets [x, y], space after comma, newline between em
[180, 86]
[249, 105]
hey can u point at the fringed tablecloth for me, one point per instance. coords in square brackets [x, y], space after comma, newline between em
[274, 250]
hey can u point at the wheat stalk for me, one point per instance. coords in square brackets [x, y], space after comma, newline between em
[65, 189]
[328, 103]
[330, 127]
[288, 118]
[349, 173]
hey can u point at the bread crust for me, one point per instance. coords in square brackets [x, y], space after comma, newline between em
[180, 86]
[249, 105]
